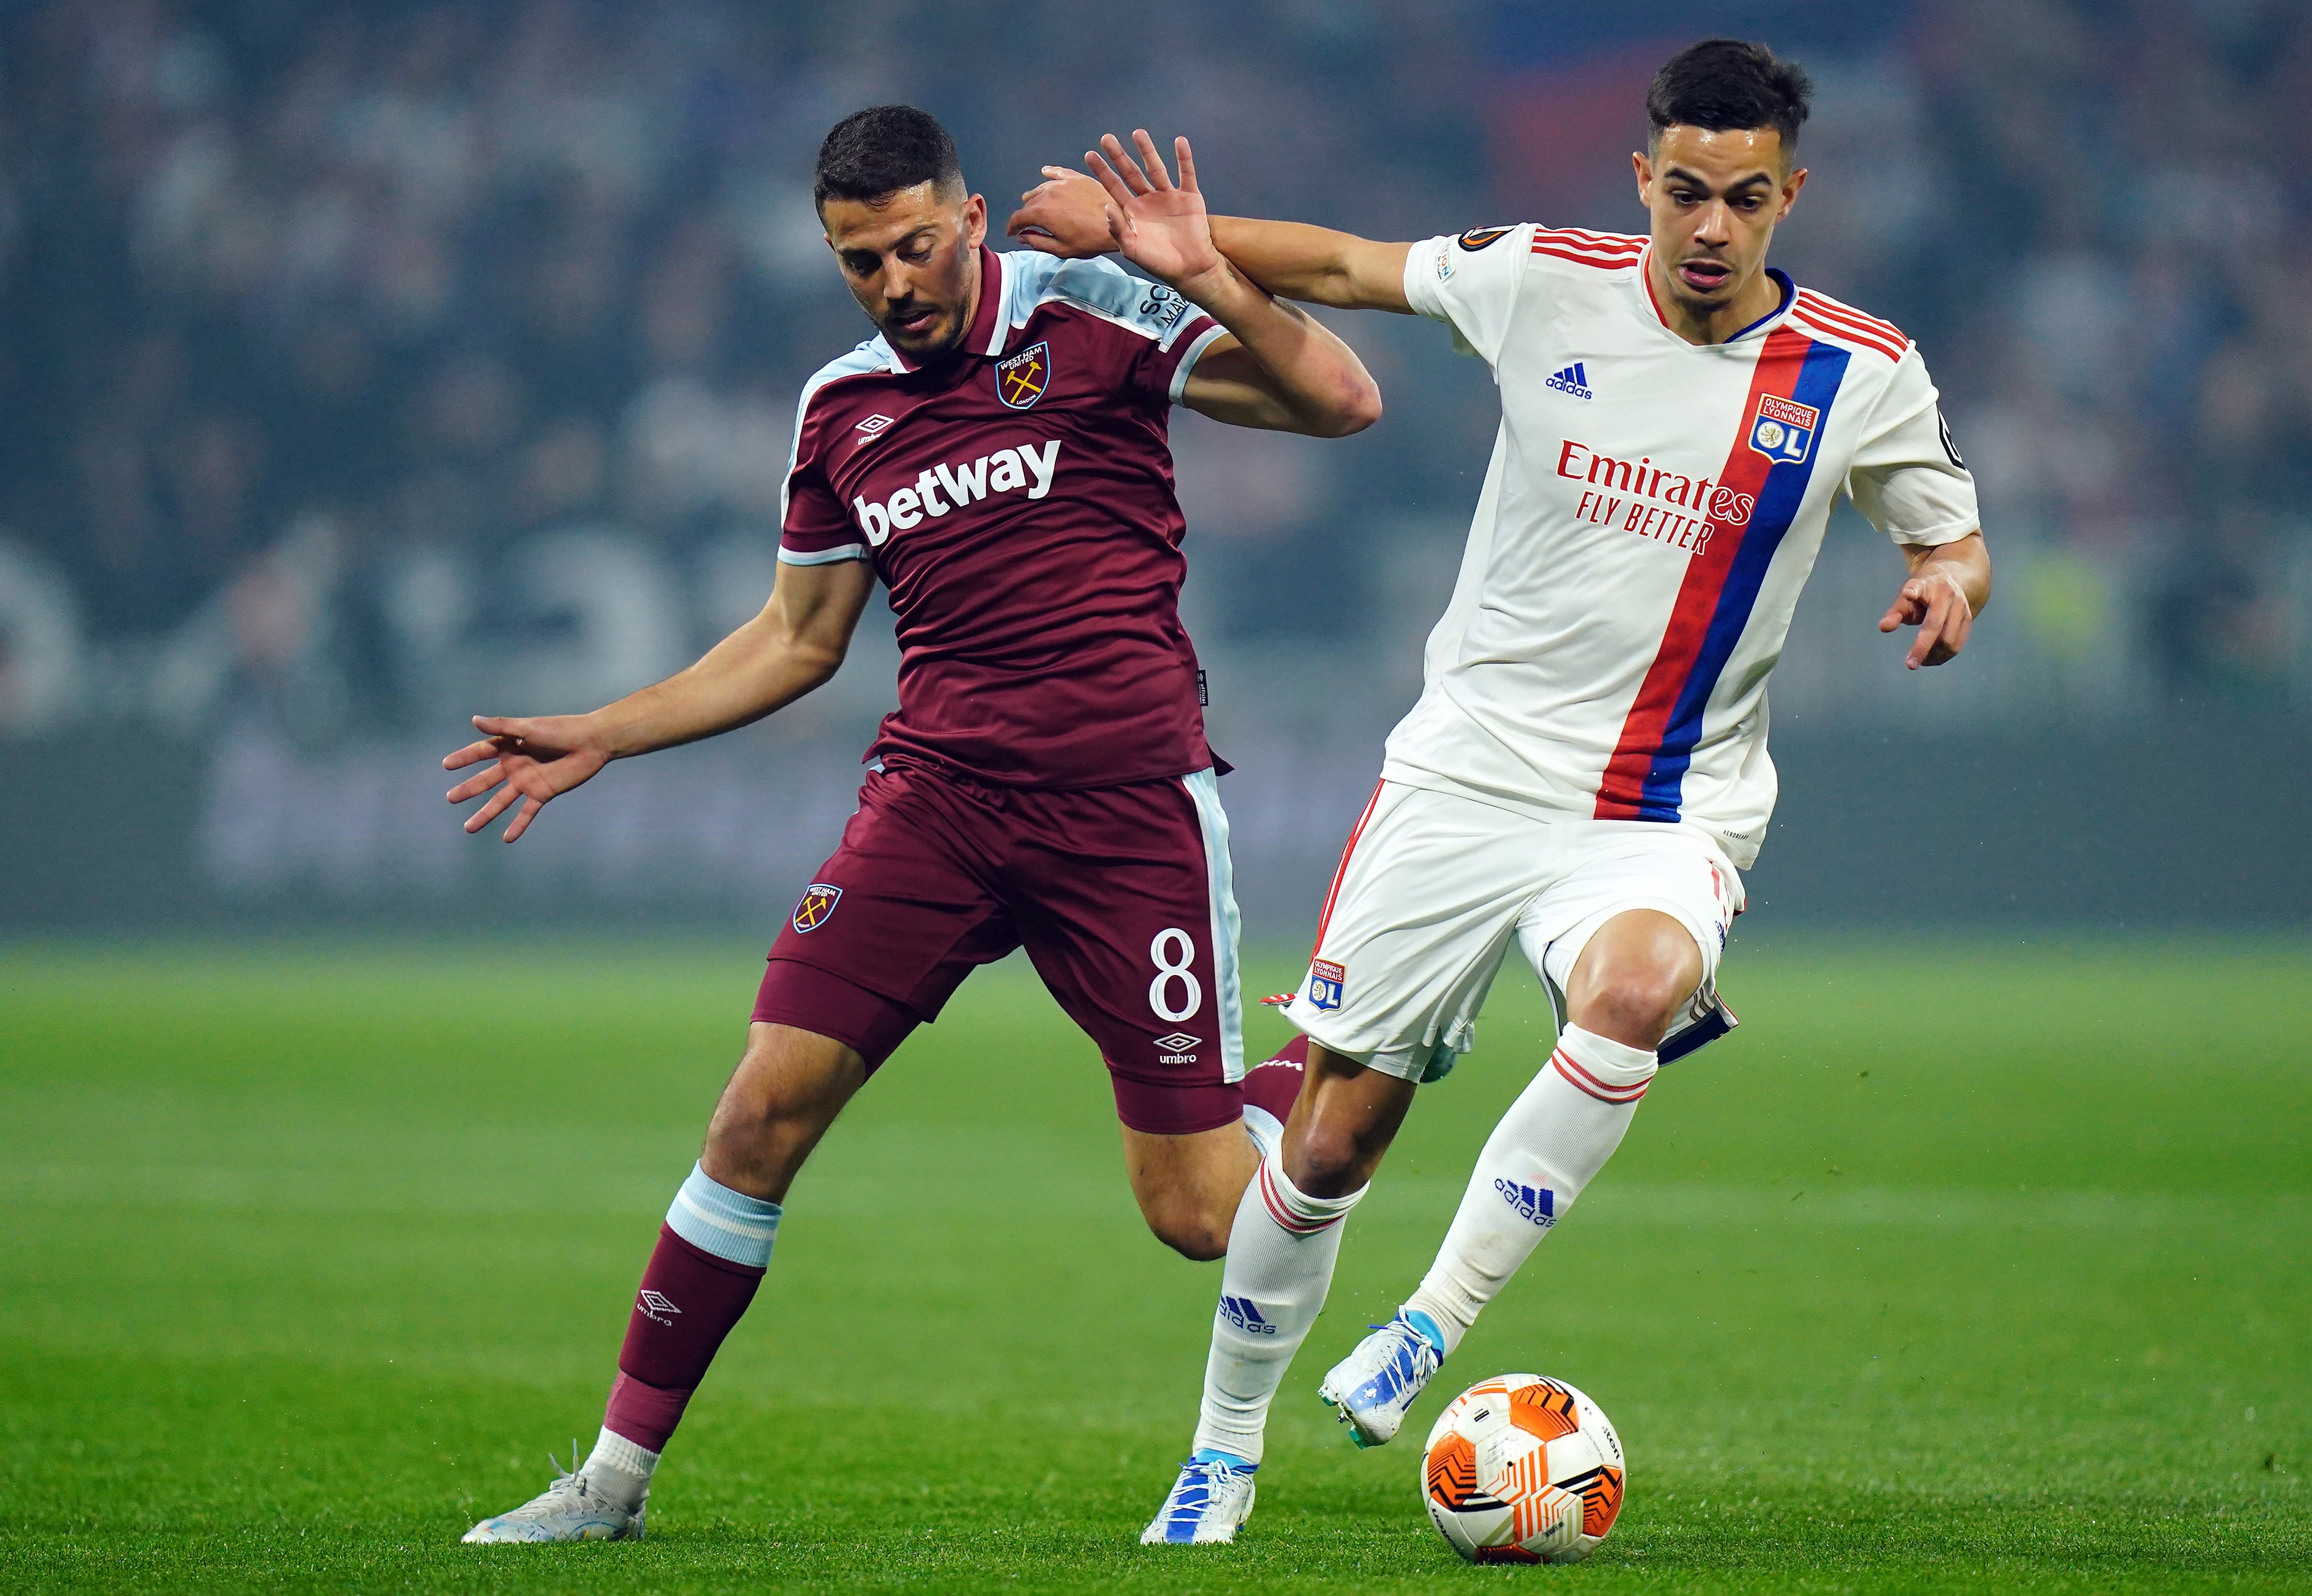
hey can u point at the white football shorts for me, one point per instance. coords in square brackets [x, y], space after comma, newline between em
[1432, 890]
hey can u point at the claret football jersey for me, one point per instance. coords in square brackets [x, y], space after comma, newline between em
[1016, 499]
[1652, 510]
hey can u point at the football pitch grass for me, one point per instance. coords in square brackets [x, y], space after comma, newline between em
[1968, 1263]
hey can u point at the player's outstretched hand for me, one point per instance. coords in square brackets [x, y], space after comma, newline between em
[534, 759]
[1933, 602]
[1158, 225]
[1065, 215]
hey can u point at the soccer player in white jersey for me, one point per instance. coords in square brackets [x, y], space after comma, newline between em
[1585, 775]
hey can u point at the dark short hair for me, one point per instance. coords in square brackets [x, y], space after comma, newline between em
[882, 150]
[1728, 83]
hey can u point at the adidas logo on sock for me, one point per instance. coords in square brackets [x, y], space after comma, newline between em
[1538, 1206]
[1240, 1312]
[1572, 380]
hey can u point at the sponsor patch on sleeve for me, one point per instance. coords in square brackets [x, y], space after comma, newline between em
[1477, 237]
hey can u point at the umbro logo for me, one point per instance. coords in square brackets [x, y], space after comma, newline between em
[874, 424]
[657, 1307]
[1572, 380]
[1178, 1042]
[1240, 1312]
[1535, 1205]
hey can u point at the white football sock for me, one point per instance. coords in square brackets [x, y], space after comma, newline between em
[1554, 1140]
[619, 1470]
[1280, 1265]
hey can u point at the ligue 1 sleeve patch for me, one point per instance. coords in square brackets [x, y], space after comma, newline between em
[1783, 430]
[1327, 982]
[1020, 379]
[817, 906]
[1477, 237]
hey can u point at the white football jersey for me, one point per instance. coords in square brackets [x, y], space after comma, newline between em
[1650, 512]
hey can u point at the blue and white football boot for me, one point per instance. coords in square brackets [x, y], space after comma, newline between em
[572, 1508]
[1371, 1388]
[1213, 1497]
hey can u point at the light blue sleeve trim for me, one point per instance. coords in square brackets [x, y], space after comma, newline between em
[871, 356]
[842, 551]
[1205, 789]
[730, 1224]
[1197, 347]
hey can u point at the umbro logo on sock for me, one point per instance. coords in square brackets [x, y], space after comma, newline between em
[1536, 1204]
[1240, 1312]
[657, 1307]
[1572, 380]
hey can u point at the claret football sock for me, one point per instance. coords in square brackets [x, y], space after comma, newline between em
[1280, 1265]
[1271, 1087]
[712, 1253]
[1554, 1140]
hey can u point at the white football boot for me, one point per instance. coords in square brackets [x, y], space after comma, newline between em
[570, 1509]
[1371, 1388]
[1210, 1498]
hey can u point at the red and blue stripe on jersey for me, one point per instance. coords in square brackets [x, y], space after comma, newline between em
[1645, 778]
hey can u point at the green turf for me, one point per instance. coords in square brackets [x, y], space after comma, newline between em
[1969, 1265]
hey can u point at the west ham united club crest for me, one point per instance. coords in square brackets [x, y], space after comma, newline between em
[1020, 379]
[1783, 430]
[817, 906]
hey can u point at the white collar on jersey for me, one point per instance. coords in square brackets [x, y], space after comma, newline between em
[996, 291]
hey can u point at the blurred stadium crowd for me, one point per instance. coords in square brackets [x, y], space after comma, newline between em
[371, 363]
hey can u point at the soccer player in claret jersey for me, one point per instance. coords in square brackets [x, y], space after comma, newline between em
[995, 455]
[1585, 775]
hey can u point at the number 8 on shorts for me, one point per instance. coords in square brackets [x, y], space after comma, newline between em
[1173, 951]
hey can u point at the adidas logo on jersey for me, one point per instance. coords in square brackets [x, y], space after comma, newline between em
[1536, 1205]
[1027, 466]
[1572, 380]
[1240, 1312]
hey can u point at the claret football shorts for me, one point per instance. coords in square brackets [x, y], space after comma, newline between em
[1432, 889]
[1120, 895]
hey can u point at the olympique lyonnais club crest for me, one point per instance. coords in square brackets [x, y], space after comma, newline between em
[1783, 430]
[1326, 982]
[1021, 380]
[817, 906]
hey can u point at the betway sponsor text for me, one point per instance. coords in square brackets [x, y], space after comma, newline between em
[1029, 466]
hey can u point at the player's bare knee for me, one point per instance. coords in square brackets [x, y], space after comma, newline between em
[1635, 1007]
[1327, 1160]
[787, 1089]
[1197, 1237]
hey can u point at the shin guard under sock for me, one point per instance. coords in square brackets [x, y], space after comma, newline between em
[1280, 1265]
[712, 1253]
[1553, 1141]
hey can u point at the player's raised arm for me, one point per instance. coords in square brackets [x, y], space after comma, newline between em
[1066, 215]
[1278, 367]
[792, 646]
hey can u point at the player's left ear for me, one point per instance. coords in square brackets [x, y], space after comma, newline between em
[974, 220]
[1790, 186]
